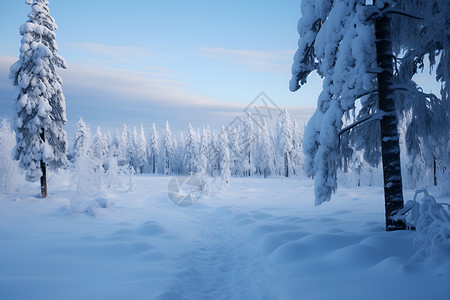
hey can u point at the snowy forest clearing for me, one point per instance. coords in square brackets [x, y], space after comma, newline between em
[260, 239]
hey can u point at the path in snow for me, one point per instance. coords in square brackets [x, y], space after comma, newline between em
[221, 265]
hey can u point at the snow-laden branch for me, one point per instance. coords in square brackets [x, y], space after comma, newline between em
[377, 13]
[376, 116]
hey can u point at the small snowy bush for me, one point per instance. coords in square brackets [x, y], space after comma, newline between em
[432, 222]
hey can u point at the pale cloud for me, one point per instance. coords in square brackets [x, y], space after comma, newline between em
[109, 97]
[131, 85]
[120, 53]
[268, 61]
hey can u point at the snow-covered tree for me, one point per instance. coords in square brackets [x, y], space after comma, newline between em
[88, 169]
[224, 157]
[208, 154]
[192, 155]
[248, 139]
[166, 151]
[138, 150]
[349, 44]
[124, 142]
[83, 139]
[116, 149]
[99, 150]
[40, 106]
[266, 152]
[285, 140]
[178, 153]
[297, 149]
[9, 169]
[153, 149]
[236, 154]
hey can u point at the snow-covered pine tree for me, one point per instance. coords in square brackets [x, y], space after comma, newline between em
[178, 153]
[133, 149]
[236, 154]
[297, 149]
[140, 158]
[207, 152]
[337, 39]
[248, 140]
[166, 151]
[224, 157]
[153, 149]
[40, 106]
[214, 155]
[82, 139]
[124, 145]
[285, 142]
[192, 155]
[99, 151]
[417, 41]
[87, 174]
[266, 152]
[115, 148]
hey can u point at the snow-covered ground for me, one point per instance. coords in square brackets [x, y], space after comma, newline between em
[260, 239]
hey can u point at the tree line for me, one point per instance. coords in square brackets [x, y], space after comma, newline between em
[247, 149]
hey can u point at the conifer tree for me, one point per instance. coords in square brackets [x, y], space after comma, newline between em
[192, 155]
[40, 104]
[83, 139]
[167, 150]
[153, 149]
[349, 43]
[224, 157]
[285, 141]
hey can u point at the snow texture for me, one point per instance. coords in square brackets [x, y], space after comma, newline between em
[260, 239]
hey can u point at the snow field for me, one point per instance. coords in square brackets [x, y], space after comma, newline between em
[261, 239]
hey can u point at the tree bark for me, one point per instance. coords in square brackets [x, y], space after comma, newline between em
[434, 171]
[44, 171]
[286, 165]
[390, 149]
[154, 164]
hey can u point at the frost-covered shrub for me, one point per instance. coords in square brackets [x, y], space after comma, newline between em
[432, 222]
[9, 169]
[87, 175]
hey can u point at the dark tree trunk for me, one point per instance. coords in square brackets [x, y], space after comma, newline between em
[434, 171]
[249, 162]
[154, 164]
[390, 149]
[44, 171]
[286, 165]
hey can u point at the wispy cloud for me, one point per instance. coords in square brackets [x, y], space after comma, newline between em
[121, 53]
[267, 61]
[110, 96]
[113, 96]
[134, 86]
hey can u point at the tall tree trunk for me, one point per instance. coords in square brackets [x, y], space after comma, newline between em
[390, 149]
[434, 171]
[249, 162]
[44, 171]
[154, 164]
[286, 165]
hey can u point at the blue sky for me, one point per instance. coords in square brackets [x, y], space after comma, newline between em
[148, 61]
[145, 61]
